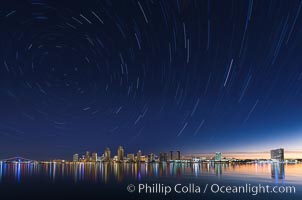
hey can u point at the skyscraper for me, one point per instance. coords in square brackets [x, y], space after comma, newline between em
[94, 157]
[107, 154]
[151, 157]
[277, 155]
[171, 155]
[87, 156]
[163, 157]
[178, 155]
[130, 157]
[120, 153]
[218, 156]
[138, 156]
[75, 157]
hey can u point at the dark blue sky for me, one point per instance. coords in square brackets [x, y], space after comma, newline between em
[199, 76]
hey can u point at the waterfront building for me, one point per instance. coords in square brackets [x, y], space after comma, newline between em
[82, 159]
[218, 156]
[151, 158]
[75, 157]
[163, 157]
[120, 153]
[94, 157]
[87, 156]
[139, 156]
[277, 155]
[171, 155]
[144, 158]
[107, 154]
[196, 159]
[130, 157]
[178, 155]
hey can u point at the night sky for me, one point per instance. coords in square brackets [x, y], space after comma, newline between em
[158, 75]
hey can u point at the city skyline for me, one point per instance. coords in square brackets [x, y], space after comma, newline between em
[109, 154]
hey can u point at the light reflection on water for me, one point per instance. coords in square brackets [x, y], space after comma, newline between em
[108, 172]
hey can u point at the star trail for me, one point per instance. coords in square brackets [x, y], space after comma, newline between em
[153, 75]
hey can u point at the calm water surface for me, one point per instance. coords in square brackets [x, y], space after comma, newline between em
[66, 181]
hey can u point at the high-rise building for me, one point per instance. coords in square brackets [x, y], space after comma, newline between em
[144, 158]
[107, 154]
[87, 156]
[94, 157]
[163, 157]
[130, 157]
[120, 153]
[277, 155]
[139, 156]
[151, 157]
[178, 155]
[171, 155]
[218, 156]
[75, 157]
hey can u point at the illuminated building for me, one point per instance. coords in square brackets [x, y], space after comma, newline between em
[83, 158]
[171, 155]
[87, 156]
[196, 159]
[130, 157]
[94, 157]
[107, 154]
[163, 157]
[218, 156]
[151, 157]
[277, 155]
[143, 159]
[75, 157]
[138, 156]
[120, 153]
[115, 158]
[178, 155]
[100, 158]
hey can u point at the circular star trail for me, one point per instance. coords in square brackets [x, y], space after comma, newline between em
[157, 75]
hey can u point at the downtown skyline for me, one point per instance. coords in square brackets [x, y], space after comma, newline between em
[187, 155]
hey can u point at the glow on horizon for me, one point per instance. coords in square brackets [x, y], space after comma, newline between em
[290, 141]
[251, 155]
[263, 155]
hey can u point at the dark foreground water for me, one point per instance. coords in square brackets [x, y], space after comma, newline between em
[150, 181]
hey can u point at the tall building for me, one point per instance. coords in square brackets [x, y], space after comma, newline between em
[171, 155]
[120, 153]
[163, 157]
[178, 155]
[87, 156]
[75, 157]
[107, 154]
[277, 155]
[139, 156]
[218, 156]
[151, 157]
[94, 157]
[130, 157]
[144, 158]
